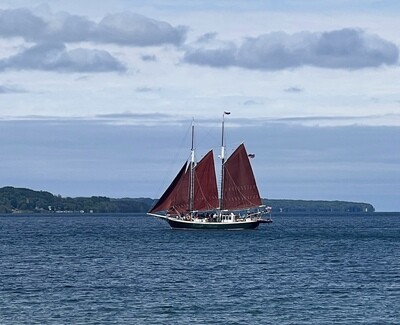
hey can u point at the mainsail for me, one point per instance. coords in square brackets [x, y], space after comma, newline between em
[240, 189]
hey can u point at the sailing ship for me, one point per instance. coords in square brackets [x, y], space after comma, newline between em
[192, 200]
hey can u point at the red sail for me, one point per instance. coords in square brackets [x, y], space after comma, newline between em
[240, 189]
[205, 184]
[176, 197]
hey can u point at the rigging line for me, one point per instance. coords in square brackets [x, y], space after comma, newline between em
[204, 135]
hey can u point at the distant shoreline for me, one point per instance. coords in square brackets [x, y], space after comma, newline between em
[26, 201]
[274, 215]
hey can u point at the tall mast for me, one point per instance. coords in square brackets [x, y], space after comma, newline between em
[221, 195]
[191, 182]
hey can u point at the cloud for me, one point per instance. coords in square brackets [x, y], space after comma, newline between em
[21, 23]
[343, 120]
[207, 37]
[11, 89]
[145, 89]
[155, 116]
[294, 90]
[134, 29]
[340, 49]
[252, 102]
[55, 57]
[142, 119]
[121, 28]
[149, 58]
[220, 57]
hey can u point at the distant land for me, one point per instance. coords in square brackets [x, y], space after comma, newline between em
[23, 200]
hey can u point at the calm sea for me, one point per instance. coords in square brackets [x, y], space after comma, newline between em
[120, 269]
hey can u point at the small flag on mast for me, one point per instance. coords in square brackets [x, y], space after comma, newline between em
[227, 113]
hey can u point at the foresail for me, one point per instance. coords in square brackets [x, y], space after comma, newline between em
[205, 184]
[176, 197]
[240, 189]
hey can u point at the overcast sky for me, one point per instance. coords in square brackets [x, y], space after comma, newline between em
[96, 97]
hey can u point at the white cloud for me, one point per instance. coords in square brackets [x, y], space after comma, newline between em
[121, 28]
[21, 23]
[55, 57]
[11, 89]
[149, 58]
[294, 90]
[339, 49]
[134, 29]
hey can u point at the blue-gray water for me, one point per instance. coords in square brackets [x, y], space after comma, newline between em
[135, 270]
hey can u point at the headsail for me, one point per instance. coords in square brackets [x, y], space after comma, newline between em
[240, 189]
[176, 196]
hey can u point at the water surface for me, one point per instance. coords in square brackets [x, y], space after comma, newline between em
[133, 269]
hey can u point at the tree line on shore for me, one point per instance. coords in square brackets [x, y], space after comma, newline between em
[23, 200]
[18, 200]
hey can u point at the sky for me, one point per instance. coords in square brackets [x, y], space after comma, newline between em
[97, 97]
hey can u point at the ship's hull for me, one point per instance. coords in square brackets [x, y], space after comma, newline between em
[239, 225]
[201, 224]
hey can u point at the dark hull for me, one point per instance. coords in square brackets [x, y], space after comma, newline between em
[178, 224]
